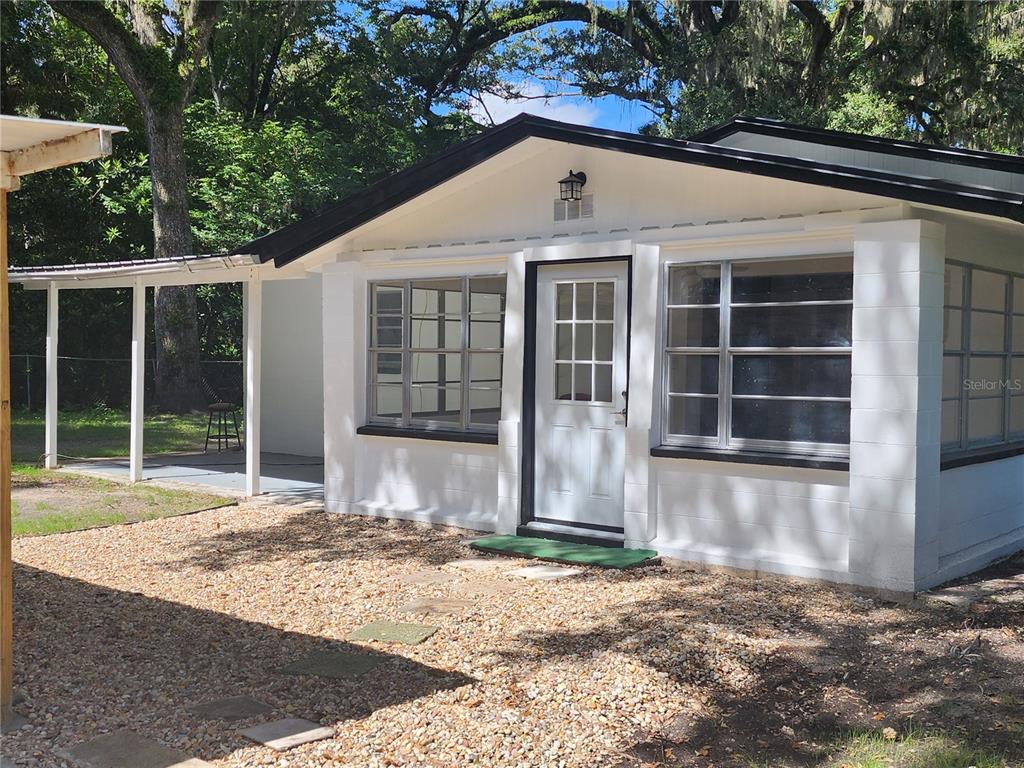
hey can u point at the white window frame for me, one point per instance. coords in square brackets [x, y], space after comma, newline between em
[406, 350]
[965, 353]
[726, 354]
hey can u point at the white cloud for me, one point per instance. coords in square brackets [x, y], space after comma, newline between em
[568, 109]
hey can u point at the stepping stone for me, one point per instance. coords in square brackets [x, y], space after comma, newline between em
[285, 734]
[336, 665]
[479, 564]
[439, 606]
[393, 632]
[545, 572]
[125, 749]
[483, 588]
[425, 578]
[231, 708]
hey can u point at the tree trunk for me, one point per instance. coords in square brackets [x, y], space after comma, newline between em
[178, 377]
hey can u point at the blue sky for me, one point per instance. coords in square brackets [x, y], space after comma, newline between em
[606, 112]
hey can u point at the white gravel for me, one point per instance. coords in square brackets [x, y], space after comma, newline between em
[125, 627]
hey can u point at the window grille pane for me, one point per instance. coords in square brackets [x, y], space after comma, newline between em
[829, 279]
[437, 297]
[952, 379]
[1018, 334]
[387, 331]
[487, 294]
[951, 422]
[792, 375]
[584, 301]
[485, 370]
[431, 368]
[435, 333]
[693, 416]
[694, 285]
[605, 300]
[988, 290]
[389, 401]
[389, 368]
[1018, 295]
[954, 286]
[563, 341]
[693, 327]
[387, 298]
[604, 336]
[988, 332]
[584, 341]
[985, 420]
[484, 407]
[791, 420]
[563, 301]
[693, 374]
[602, 384]
[486, 331]
[985, 377]
[828, 325]
[563, 381]
[436, 404]
[1017, 414]
[953, 329]
[583, 387]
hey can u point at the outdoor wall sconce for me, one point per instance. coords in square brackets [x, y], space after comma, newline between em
[571, 187]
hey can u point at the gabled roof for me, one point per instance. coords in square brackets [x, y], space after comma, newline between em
[293, 241]
[993, 161]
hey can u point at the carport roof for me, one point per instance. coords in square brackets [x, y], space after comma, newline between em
[292, 242]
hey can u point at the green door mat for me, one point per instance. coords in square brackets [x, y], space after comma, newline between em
[565, 552]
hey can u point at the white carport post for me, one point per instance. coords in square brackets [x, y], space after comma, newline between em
[52, 296]
[138, 379]
[252, 331]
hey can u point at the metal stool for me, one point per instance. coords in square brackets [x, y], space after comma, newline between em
[225, 429]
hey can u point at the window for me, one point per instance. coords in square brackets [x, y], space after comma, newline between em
[584, 340]
[983, 357]
[435, 352]
[758, 354]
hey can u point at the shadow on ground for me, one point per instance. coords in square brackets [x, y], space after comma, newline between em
[138, 662]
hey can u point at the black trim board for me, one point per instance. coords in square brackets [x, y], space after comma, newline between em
[981, 455]
[975, 158]
[768, 458]
[451, 436]
[295, 240]
[571, 538]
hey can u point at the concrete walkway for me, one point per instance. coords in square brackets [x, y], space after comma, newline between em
[290, 477]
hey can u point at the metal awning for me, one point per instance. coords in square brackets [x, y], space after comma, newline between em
[183, 270]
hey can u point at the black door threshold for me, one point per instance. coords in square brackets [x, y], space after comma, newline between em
[564, 533]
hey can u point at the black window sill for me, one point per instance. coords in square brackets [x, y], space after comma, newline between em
[981, 455]
[769, 458]
[447, 435]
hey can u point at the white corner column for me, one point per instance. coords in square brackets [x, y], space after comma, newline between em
[138, 380]
[896, 403]
[253, 329]
[639, 509]
[52, 304]
[510, 425]
[344, 351]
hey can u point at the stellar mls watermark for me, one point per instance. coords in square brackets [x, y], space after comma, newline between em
[994, 385]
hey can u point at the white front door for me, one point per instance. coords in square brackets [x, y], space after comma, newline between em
[580, 394]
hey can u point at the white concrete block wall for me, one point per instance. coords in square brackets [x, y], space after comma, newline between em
[292, 419]
[780, 519]
[894, 420]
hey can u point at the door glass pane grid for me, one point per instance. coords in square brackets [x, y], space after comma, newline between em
[584, 340]
[419, 372]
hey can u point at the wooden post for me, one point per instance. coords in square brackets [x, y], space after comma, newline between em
[6, 567]
[51, 375]
[138, 379]
[253, 342]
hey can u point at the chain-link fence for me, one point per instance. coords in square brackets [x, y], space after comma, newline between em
[89, 381]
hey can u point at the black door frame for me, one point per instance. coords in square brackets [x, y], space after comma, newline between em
[529, 405]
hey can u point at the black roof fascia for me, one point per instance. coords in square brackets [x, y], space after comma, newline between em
[291, 242]
[976, 158]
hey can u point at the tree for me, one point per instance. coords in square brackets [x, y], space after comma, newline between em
[157, 50]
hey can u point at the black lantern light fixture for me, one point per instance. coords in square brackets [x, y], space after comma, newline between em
[571, 187]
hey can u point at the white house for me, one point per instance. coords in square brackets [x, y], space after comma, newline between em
[770, 347]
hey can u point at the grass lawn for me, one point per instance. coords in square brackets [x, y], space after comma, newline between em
[103, 432]
[45, 501]
[55, 502]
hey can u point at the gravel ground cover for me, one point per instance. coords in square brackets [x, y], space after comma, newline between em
[130, 626]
